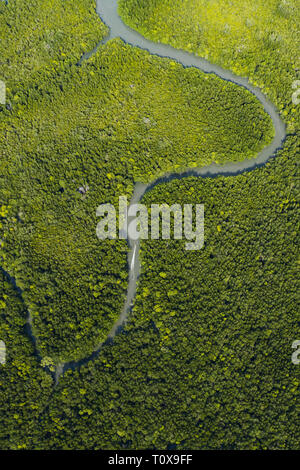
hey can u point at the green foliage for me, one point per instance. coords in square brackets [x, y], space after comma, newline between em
[259, 40]
[205, 362]
[95, 125]
[39, 40]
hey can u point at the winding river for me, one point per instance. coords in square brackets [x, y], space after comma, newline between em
[108, 12]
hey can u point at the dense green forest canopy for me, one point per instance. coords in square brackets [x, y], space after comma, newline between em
[257, 39]
[68, 126]
[40, 39]
[25, 386]
[205, 361]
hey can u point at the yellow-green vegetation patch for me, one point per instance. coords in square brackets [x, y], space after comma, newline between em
[2, 352]
[257, 39]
